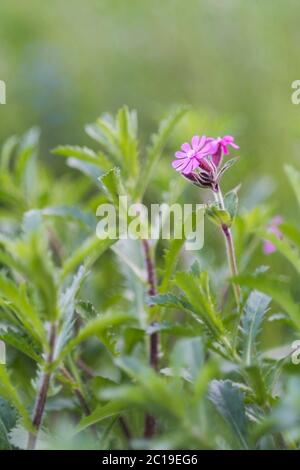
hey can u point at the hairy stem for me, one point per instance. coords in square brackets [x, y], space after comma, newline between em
[229, 248]
[149, 429]
[43, 391]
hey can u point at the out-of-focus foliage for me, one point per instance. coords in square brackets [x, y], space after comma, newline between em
[231, 59]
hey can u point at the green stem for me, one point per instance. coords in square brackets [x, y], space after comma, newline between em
[229, 247]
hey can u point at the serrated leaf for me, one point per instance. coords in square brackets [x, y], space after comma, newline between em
[229, 401]
[9, 393]
[275, 289]
[170, 300]
[23, 308]
[95, 327]
[113, 185]
[22, 344]
[254, 312]
[198, 295]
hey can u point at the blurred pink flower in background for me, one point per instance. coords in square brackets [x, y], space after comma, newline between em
[269, 247]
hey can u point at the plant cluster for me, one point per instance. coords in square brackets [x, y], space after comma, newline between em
[115, 344]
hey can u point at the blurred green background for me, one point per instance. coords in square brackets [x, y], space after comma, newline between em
[65, 63]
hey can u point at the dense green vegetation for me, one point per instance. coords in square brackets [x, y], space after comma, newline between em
[100, 353]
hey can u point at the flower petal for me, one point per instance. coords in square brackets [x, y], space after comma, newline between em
[228, 139]
[186, 147]
[209, 148]
[202, 141]
[177, 164]
[235, 146]
[189, 167]
[180, 155]
[195, 142]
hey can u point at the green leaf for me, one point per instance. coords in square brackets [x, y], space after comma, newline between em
[171, 254]
[100, 413]
[105, 132]
[292, 232]
[37, 259]
[256, 379]
[27, 151]
[9, 393]
[294, 177]
[170, 258]
[188, 356]
[23, 308]
[229, 402]
[95, 327]
[254, 312]
[4, 442]
[170, 301]
[88, 169]
[275, 289]
[231, 203]
[113, 185]
[159, 141]
[7, 152]
[197, 292]
[218, 216]
[91, 249]
[157, 392]
[127, 130]
[84, 154]
[23, 344]
[67, 213]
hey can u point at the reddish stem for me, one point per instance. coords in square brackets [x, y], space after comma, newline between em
[42, 395]
[154, 338]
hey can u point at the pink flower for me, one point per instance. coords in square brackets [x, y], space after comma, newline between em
[269, 247]
[221, 145]
[190, 157]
